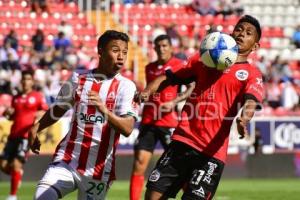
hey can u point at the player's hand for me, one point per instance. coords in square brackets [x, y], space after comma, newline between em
[8, 112]
[167, 106]
[242, 127]
[94, 99]
[141, 97]
[33, 140]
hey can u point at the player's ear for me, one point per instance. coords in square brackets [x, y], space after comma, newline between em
[100, 51]
[255, 46]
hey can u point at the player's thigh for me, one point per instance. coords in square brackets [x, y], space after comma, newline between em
[204, 179]
[59, 176]
[16, 148]
[91, 189]
[146, 139]
[10, 150]
[169, 173]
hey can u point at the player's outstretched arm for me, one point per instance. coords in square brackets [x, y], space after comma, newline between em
[124, 124]
[156, 85]
[50, 117]
[247, 114]
[180, 97]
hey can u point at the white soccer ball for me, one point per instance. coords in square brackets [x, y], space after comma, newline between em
[218, 50]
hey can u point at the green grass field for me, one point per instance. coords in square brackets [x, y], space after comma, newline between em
[240, 189]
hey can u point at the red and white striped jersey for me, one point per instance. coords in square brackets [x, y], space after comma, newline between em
[90, 145]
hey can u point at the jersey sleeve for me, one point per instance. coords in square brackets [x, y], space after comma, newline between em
[66, 95]
[183, 73]
[254, 88]
[125, 103]
[42, 102]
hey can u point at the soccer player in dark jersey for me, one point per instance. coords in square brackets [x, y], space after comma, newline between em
[26, 108]
[160, 114]
[196, 156]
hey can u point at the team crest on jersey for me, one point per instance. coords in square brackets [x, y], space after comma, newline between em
[111, 95]
[242, 75]
[31, 100]
[155, 175]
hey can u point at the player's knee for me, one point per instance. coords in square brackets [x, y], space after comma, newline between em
[45, 192]
[4, 167]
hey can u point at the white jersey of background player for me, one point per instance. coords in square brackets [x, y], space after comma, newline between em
[103, 107]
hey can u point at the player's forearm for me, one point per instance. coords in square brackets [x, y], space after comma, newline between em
[123, 125]
[184, 95]
[50, 117]
[248, 110]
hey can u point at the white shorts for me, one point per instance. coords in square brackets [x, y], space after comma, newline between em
[64, 180]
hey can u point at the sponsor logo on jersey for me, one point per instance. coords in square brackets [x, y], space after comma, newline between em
[91, 118]
[242, 75]
[200, 192]
[155, 175]
[210, 172]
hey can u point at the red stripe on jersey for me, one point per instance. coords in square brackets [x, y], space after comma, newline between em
[112, 175]
[70, 146]
[105, 136]
[88, 134]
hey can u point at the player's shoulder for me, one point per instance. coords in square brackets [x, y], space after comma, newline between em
[125, 82]
[195, 57]
[80, 74]
[195, 61]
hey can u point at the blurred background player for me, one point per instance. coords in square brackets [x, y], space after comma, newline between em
[196, 157]
[27, 107]
[160, 114]
[103, 109]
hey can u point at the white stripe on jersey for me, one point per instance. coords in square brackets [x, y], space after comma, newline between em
[80, 124]
[97, 132]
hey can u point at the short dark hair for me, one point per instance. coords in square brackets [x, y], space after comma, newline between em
[162, 37]
[253, 21]
[109, 35]
[28, 72]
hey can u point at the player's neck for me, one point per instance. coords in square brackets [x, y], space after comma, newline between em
[241, 58]
[101, 73]
[27, 91]
[162, 62]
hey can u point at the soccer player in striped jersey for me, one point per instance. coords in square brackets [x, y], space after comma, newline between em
[102, 100]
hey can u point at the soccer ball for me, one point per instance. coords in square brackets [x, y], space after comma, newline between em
[218, 50]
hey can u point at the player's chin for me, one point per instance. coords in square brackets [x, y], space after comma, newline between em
[119, 65]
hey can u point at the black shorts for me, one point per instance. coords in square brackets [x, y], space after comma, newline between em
[15, 148]
[183, 167]
[149, 136]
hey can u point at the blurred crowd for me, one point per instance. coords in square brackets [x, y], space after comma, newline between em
[54, 63]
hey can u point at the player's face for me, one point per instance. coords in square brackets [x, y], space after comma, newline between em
[114, 55]
[245, 35]
[27, 82]
[164, 50]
